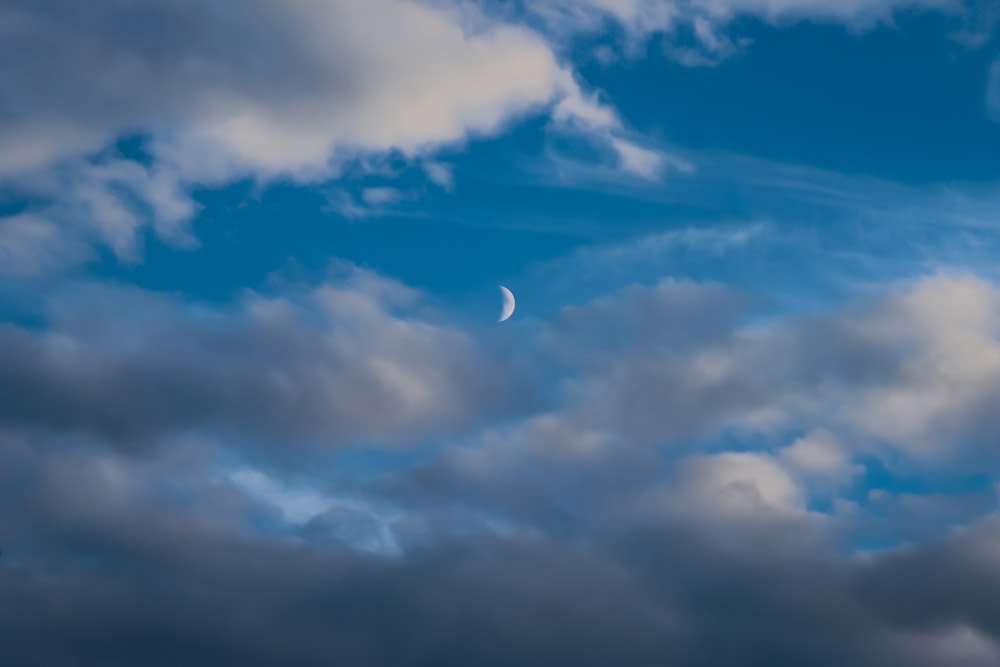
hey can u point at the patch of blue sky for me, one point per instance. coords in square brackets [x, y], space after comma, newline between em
[901, 101]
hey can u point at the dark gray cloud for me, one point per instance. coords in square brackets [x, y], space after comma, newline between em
[98, 570]
[561, 537]
[913, 365]
[332, 364]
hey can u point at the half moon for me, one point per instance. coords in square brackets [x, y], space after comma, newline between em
[508, 303]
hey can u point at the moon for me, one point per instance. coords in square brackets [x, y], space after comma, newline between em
[508, 303]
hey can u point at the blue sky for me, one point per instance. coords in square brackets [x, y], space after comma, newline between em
[898, 103]
[249, 258]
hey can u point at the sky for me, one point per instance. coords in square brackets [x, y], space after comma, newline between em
[256, 407]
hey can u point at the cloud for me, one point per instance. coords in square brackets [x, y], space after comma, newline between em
[687, 400]
[637, 160]
[981, 18]
[266, 86]
[105, 571]
[820, 455]
[649, 377]
[260, 90]
[708, 20]
[735, 484]
[911, 368]
[335, 363]
[658, 506]
[848, 11]
[642, 259]
[107, 202]
[381, 196]
[269, 90]
[440, 174]
[32, 245]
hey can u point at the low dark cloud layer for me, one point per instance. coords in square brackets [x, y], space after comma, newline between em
[124, 580]
[332, 364]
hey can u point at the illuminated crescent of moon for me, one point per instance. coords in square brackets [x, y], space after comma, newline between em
[508, 303]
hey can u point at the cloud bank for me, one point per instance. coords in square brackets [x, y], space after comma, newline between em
[595, 529]
[337, 362]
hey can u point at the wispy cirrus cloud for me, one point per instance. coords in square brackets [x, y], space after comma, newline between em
[708, 21]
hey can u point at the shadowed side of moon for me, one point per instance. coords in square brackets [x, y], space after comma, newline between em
[508, 303]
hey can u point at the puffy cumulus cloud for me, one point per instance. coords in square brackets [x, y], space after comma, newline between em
[260, 89]
[266, 89]
[651, 375]
[819, 455]
[678, 315]
[549, 470]
[944, 389]
[914, 367]
[737, 483]
[683, 532]
[265, 86]
[346, 360]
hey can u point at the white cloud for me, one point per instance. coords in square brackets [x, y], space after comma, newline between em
[708, 20]
[32, 245]
[421, 80]
[440, 174]
[381, 196]
[817, 452]
[271, 85]
[637, 160]
[541, 439]
[847, 11]
[820, 458]
[268, 87]
[649, 15]
[953, 324]
[736, 484]
[108, 202]
[914, 368]
[265, 89]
